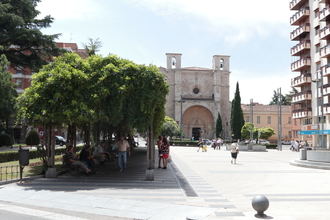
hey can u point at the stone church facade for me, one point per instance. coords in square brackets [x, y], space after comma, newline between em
[197, 95]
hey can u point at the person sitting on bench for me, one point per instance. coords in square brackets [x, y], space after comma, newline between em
[70, 159]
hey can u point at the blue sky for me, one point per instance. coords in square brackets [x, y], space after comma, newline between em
[254, 33]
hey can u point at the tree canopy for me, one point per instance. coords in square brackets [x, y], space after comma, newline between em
[170, 128]
[93, 46]
[7, 91]
[218, 126]
[21, 39]
[237, 118]
[285, 99]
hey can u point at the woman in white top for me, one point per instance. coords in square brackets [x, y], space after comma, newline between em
[234, 151]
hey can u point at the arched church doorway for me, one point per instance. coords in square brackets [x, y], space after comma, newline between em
[198, 122]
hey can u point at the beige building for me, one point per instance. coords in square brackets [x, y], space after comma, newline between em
[267, 116]
[311, 59]
[196, 95]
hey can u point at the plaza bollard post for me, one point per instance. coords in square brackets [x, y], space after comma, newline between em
[260, 203]
[303, 155]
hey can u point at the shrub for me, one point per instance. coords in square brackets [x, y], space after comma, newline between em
[32, 138]
[5, 140]
[271, 146]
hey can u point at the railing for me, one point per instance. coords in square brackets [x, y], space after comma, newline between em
[324, 32]
[8, 173]
[298, 31]
[325, 51]
[325, 70]
[295, 3]
[306, 78]
[299, 14]
[302, 96]
[301, 46]
[300, 63]
[325, 12]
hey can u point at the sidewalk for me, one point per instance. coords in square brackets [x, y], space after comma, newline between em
[109, 193]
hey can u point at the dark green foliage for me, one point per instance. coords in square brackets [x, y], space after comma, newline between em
[7, 91]
[237, 118]
[32, 138]
[246, 129]
[5, 140]
[285, 100]
[93, 46]
[21, 39]
[218, 126]
[170, 128]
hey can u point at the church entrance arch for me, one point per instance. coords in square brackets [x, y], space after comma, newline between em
[198, 122]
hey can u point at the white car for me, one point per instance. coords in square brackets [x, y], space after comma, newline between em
[264, 142]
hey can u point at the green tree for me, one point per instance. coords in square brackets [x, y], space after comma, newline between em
[218, 126]
[246, 130]
[237, 119]
[93, 46]
[7, 94]
[285, 100]
[21, 39]
[170, 128]
[266, 133]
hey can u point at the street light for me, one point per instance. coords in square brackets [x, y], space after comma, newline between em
[279, 119]
[181, 116]
[319, 81]
[251, 116]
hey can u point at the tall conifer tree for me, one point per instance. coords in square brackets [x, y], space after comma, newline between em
[218, 126]
[237, 119]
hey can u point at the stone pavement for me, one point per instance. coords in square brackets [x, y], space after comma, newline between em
[107, 193]
[295, 193]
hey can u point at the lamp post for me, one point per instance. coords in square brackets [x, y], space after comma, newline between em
[181, 117]
[279, 119]
[251, 116]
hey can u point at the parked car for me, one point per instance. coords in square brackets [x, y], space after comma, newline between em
[264, 142]
[59, 140]
[286, 142]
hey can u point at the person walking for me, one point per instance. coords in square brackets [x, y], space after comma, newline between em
[234, 151]
[160, 153]
[123, 147]
[165, 151]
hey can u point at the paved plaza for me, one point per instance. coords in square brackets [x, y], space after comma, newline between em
[197, 185]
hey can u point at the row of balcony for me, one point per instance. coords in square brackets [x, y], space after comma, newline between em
[299, 16]
[324, 33]
[301, 47]
[296, 4]
[302, 96]
[298, 32]
[301, 80]
[300, 64]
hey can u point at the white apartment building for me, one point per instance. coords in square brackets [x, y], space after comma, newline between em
[311, 62]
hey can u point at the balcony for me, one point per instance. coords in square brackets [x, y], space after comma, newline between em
[302, 96]
[300, 32]
[299, 16]
[325, 14]
[325, 33]
[301, 64]
[301, 113]
[296, 4]
[326, 91]
[300, 48]
[326, 109]
[325, 51]
[325, 70]
[301, 80]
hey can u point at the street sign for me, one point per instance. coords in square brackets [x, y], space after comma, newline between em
[313, 132]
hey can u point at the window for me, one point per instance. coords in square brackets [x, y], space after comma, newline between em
[289, 120]
[269, 119]
[290, 134]
[221, 64]
[247, 118]
[258, 119]
[173, 62]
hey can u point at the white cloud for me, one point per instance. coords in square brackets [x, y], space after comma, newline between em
[260, 89]
[69, 9]
[238, 19]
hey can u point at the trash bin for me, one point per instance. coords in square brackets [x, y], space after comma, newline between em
[23, 157]
[303, 155]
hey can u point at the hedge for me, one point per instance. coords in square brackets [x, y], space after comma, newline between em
[271, 146]
[8, 156]
[183, 143]
[5, 140]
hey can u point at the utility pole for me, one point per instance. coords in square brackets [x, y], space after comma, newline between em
[251, 117]
[279, 119]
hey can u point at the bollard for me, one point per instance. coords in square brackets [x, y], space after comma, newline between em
[260, 203]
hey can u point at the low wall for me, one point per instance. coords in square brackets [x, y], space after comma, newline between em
[318, 156]
[245, 147]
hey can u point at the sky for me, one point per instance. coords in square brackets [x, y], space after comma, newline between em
[254, 33]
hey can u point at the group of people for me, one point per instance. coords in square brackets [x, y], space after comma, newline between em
[296, 145]
[163, 151]
[217, 143]
[89, 158]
